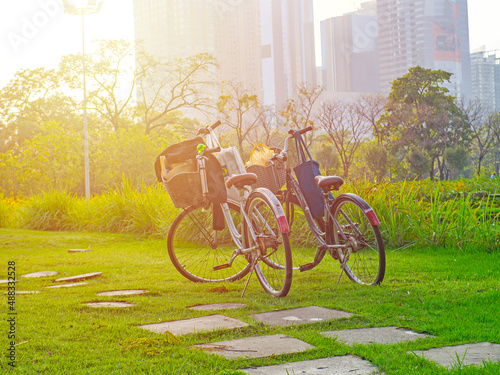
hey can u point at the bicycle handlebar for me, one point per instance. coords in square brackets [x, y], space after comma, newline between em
[301, 131]
[206, 130]
[291, 132]
[214, 125]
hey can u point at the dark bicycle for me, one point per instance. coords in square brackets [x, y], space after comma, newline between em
[347, 228]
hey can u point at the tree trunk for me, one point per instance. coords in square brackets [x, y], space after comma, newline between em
[431, 172]
[479, 160]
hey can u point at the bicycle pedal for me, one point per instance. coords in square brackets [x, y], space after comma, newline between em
[306, 267]
[221, 267]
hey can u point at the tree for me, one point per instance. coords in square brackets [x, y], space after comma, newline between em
[457, 158]
[371, 107]
[111, 80]
[50, 160]
[298, 112]
[239, 109]
[345, 127]
[32, 98]
[483, 131]
[420, 112]
[376, 159]
[327, 158]
[418, 161]
[173, 86]
[267, 129]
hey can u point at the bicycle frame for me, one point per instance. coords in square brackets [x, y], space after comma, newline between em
[238, 238]
[292, 186]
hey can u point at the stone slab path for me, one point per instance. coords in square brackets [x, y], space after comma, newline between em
[85, 276]
[204, 323]
[255, 347]
[41, 274]
[468, 354]
[66, 285]
[301, 315]
[263, 346]
[127, 292]
[218, 306]
[109, 304]
[325, 366]
[378, 335]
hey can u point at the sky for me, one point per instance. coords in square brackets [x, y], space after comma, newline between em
[36, 33]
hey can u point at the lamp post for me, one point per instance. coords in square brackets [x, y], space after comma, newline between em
[83, 7]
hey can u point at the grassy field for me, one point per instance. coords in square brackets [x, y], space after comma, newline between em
[445, 292]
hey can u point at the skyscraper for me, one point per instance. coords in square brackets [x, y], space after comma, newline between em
[287, 41]
[485, 68]
[227, 29]
[433, 34]
[349, 48]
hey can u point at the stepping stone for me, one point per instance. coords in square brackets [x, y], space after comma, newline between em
[325, 366]
[109, 304]
[301, 315]
[378, 335]
[255, 347]
[66, 285]
[41, 274]
[468, 354]
[8, 281]
[79, 250]
[217, 306]
[85, 276]
[204, 323]
[127, 292]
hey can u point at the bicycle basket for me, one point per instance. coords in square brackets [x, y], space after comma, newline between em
[271, 176]
[183, 183]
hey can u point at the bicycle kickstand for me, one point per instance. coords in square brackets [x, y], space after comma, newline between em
[342, 265]
[254, 262]
[341, 273]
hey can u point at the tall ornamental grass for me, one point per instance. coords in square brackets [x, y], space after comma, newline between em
[459, 214]
[147, 211]
[462, 214]
[51, 211]
[7, 212]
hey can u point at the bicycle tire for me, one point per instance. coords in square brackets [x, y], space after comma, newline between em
[302, 235]
[193, 255]
[366, 263]
[274, 268]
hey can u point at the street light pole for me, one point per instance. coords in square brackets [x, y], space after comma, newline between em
[85, 122]
[90, 7]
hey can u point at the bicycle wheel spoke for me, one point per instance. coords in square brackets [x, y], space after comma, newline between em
[274, 266]
[195, 248]
[363, 247]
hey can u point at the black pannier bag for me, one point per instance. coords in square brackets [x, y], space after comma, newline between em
[183, 181]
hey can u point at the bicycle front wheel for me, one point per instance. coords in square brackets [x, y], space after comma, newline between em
[195, 248]
[357, 229]
[274, 265]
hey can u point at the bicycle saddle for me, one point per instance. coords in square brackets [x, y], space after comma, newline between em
[241, 180]
[326, 183]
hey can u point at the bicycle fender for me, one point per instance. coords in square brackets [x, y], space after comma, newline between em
[372, 216]
[276, 207]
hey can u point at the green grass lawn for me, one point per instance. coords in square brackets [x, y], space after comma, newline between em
[447, 293]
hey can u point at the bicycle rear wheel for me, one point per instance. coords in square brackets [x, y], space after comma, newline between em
[195, 248]
[357, 228]
[274, 267]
